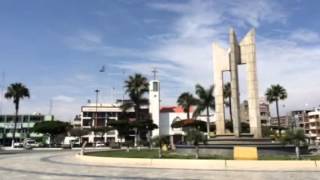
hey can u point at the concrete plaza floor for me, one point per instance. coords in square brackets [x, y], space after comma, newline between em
[64, 165]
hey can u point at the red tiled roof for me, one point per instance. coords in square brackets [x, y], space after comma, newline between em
[176, 109]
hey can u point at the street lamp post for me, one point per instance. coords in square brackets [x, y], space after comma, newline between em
[96, 117]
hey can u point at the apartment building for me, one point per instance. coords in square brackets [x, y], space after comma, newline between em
[263, 108]
[312, 125]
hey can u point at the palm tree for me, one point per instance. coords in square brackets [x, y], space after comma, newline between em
[186, 100]
[195, 137]
[16, 92]
[205, 102]
[274, 94]
[295, 137]
[227, 97]
[136, 87]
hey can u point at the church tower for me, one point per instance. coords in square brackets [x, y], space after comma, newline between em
[154, 104]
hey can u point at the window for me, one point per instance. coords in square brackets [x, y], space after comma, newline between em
[86, 123]
[87, 114]
[25, 119]
[9, 118]
[155, 86]
[20, 118]
[36, 118]
[1, 119]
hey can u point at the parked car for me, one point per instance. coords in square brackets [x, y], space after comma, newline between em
[18, 145]
[30, 143]
[100, 144]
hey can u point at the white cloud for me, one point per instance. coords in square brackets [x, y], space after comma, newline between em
[254, 12]
[85, 41]
[93, 43]
[184, 54]
[63, 98]
[279, 61]
[305, 35]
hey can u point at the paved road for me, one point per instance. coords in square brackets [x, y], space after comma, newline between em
[64, 165]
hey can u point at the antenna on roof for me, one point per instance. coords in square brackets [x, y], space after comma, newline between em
[154, 71]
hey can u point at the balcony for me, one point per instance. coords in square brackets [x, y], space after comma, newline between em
[87, 118]
[312, 120]
[312, 135]
[314, 127]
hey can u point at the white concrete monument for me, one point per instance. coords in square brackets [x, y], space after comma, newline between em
[228, 60]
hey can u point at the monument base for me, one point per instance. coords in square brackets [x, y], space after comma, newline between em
[223, 145]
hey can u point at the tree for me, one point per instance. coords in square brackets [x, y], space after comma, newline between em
[145, 127]
[101, 130]
[160, 141]
[274, 94]
[79, 132]
[52, 128]
[205, 102]
[16, 92]
[123, 127]
[186, 100]
[195, 137]
[136, 88]
[227, 97]
[295, 137]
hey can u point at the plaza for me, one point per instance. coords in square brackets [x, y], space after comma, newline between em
[168, 90]
[65, 165]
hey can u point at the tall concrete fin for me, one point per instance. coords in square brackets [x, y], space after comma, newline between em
[220, 64]
[234, 81]
[248, 56]
[247, 47]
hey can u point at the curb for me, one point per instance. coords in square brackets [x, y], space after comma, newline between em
[260, 165]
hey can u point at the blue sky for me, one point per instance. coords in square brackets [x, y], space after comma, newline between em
[56, 48]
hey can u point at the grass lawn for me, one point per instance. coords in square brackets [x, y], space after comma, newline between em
[153, 154]
[125, 154]
[292, 157]
[147, 153]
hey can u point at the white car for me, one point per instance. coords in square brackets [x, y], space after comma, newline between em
[30, 143]
[17, 145]
[100, 144]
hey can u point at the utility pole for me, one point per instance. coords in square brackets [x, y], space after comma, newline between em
[50, 107]
[3, 77]
[123, 87]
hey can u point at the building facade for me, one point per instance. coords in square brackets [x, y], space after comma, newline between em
[285, 122]
[264, 110]
[312, 125]
[170, 114]
[97, 116]
[24, 126]
[298, 118]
